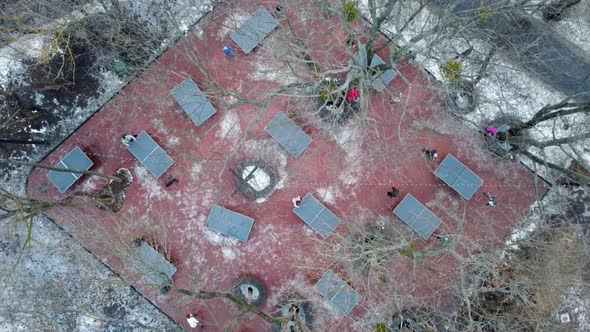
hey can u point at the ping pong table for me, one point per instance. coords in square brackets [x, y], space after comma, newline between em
[317, 216]
[254, 30]
[286, 132]
[153, 264]
[339, 293]
[229, 223]
[76, 159]
[455, 174]
[417, 216]
[150, 154]
[193, 102]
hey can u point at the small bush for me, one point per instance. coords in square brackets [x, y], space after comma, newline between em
[380, 327]
[452, 70]
[350, 11]
[409, 251]
[484, 14]
[327, 93]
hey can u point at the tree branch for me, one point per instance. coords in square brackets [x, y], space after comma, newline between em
[58, 169]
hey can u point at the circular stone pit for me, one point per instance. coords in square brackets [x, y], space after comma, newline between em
[256, 178]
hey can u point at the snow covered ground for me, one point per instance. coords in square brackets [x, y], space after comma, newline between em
[57, 285]
[507, 89]
[574, 25]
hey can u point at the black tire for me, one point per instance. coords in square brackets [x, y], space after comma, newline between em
[245, 285]
[285, 307]
[165, 289]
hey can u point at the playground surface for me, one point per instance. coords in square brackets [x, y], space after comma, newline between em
[348, 167]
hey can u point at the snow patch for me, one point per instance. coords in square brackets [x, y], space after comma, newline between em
[218, 238]
[228, 253]
[90, 184]
[265, 71]
[229, 126]
[350, 140]
[231, 23]
[196, 170]
[260, 179]
[329, 194]
[149, 184]
[11, 69]
[173, 140]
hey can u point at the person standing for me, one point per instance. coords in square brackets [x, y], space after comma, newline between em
[127, 139]
[192, 320]
[393, 193]
[296, 201]
[491, 199]
[227, 51]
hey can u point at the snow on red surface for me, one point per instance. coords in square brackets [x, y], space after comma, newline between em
[349, 168]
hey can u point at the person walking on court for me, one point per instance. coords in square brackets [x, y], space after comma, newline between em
[127, 139]
[491, 130]
[192, 321]
[491, 199]
[393, 193]
[430, 154]
[227, 51]
[296, 201]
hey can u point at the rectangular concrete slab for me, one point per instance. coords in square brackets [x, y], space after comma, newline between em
[254, 30]
[193, 101]
[76, 160]
[286, 132]
[455, 174]
[150, 154]
[229, 223]
[339, 293]
[417, 216]
[153, 264]
[317, 216]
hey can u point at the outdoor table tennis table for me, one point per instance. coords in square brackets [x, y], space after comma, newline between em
[229, 223]
[153, 264]
[458, 176]
[150, 154]
[193, 101]
[417, 216]
[339, 293]
[254, 29]
[317, 216]
[76, 159]
[286, 132]
[379, 80]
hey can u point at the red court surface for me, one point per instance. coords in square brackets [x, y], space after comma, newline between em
[349, 168]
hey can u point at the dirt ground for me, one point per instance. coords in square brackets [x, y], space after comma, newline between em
[349, 168]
